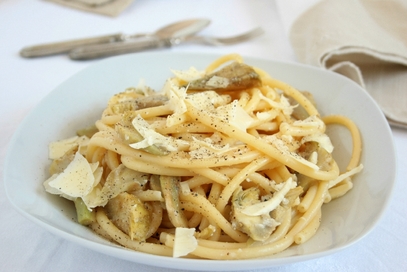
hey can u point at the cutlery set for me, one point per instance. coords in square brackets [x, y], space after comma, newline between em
[116, 44]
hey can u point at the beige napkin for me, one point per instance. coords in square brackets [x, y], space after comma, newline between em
[106, 7]
[365, 40]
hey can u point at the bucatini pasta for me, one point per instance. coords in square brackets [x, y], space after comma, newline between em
[225, 163]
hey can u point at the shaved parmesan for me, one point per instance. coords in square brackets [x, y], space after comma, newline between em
[151, 137]
[208, 100]
[184, 242]
[59, 148]
[310, 122]
[176, 102]
[77, 180]
[189, 75]
[235, 115]
[345, 175]
[284, 104]
[269, 205]
[322, 139]
[283, 148]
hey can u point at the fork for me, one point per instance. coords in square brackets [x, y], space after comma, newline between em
[117, 48]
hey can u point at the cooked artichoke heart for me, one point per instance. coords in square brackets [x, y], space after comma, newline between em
[130, 215]
[235, 76]
[258, 227]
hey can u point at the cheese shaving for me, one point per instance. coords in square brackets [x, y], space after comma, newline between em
[77, 180]
[184, 242]
[282, 147]
[235, 115]
[59, 148]
[151, 137]
[322, 139]
[188, 75]
[269, 205]
[345, 175]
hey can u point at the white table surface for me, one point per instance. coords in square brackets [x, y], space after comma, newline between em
[24, 246]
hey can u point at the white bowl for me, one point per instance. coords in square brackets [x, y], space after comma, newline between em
[78, 102]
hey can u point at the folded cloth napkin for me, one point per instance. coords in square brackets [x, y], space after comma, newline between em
[365, 40]
[106, 7]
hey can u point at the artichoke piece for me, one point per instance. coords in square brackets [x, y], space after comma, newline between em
[235, 76]
[84, 215]
[130, 135]
[139, 103]
[299, 112]
[324, 158]
[170, 190]
[123, 179]
[130, 215]
[258, 227]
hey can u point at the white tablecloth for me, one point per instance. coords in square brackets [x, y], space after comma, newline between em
[24, 246]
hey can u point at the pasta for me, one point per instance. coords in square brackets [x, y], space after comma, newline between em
[225, 163]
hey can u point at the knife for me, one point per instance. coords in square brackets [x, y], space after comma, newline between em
[63, 47]
[162, 38]
[66, 46]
